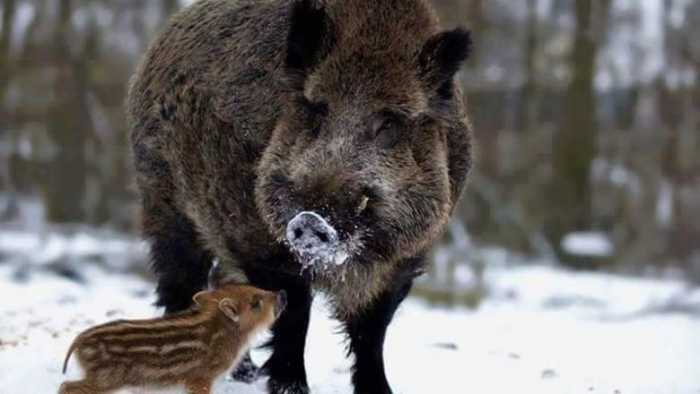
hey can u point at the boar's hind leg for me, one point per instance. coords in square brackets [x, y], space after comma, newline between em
[367, 330]
[285, 367]
[179, 262]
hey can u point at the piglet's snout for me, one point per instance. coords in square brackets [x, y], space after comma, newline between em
[311, 236]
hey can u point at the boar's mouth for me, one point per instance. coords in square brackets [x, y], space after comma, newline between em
[314, 241]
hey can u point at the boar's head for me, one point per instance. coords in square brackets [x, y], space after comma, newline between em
[359, 168]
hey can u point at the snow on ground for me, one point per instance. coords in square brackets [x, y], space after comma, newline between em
[540, 330]
[588, 244]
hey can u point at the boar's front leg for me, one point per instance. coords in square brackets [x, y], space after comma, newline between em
[367, 330]
[285, 367]
[246, 371]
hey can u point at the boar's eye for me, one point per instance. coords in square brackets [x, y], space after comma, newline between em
[315, 130]
[387, 130]
[315, 112]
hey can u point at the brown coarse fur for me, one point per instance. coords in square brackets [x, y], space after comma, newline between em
[190, 348]
[234, 133]
[305, 145]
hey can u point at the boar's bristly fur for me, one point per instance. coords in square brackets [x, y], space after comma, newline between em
[305, 145]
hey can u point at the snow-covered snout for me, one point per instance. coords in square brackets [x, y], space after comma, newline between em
[314, 240]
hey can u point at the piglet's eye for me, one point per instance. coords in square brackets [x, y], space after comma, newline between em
[256, 305]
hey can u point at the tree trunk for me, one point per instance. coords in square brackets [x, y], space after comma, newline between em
[9, 8]
[69, 123]
[528, 95]
[574, 146]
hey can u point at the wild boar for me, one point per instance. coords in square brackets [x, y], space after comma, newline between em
[305, 145]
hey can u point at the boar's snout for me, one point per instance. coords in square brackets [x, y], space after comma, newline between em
[312, 238]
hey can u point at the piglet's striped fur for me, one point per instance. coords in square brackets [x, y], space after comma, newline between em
[191, 348]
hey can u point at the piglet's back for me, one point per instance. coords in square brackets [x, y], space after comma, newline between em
[154, 350]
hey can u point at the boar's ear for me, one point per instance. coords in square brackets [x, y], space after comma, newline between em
[308, 32]
[230, 309]
[441, 58]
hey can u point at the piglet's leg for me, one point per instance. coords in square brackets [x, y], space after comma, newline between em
[79, 387]
[198, 386]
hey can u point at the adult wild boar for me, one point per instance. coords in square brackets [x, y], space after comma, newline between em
[305, 145]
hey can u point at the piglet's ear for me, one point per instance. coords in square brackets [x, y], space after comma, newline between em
[200, 298]
[230, 309]
[441, 58]
[309, 32]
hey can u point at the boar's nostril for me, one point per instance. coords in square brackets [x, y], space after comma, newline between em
[298, 233]
[322, 236]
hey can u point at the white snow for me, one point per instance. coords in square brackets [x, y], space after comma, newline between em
[46, 247]
[540, 330]
[588, 244]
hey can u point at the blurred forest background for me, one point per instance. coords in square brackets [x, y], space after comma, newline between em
[586, 114]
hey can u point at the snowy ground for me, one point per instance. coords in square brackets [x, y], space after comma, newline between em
[540, 330]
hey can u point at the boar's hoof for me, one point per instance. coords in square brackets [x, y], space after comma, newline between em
[246, 371]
